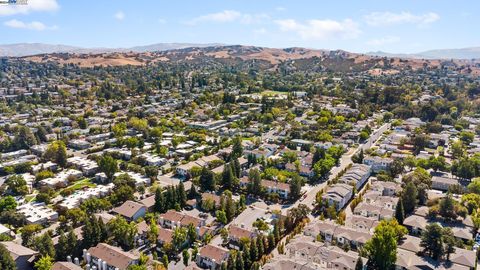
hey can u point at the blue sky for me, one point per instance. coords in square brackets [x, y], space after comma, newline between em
[357, 25]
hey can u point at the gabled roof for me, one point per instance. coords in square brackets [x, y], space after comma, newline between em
[128, 209]
[17, 250]
[113, 255]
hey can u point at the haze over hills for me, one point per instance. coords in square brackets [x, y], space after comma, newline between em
[464, 53]
[26, 49]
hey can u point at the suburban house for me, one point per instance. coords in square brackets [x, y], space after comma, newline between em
[22, 256]
[236, 233]
[338, 195]
[211, 256]
[443, 183]
[131, 210]
[282, 189]
[356, 176]
[110, 257]
[342, 235]
[378, 163]
[172, 219]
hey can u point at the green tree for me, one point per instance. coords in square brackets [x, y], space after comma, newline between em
[399, 212]
[7, 203]
[409, 198]
[182, 196]
[447, 208]
[191, 233]
[239, 261]
[237, 149]
[17, 185]
[28, 232]
[123, 232]
[474, 186]
[108, 165]
[381, 249]
[449, 240]
[44, 245]
[186, 257]
[6, 261]
[24, 138]
[119, 130]
[151, 171]
[207, 180]
[432, 240]
[255, 185]
[295, 187]
[179, 238]
[152, 233]
[44, 263]
[221, 217]
[165, 261]
[228, 178]
[67, 245]
[253, 250]
[159, 205]
[57, 152]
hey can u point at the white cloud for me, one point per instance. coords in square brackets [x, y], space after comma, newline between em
[119, 15]
[162, 21]
[32, 6]
[321, 29]
[260, 31]
[228, 16]
[38, 26]
[383, 41]
[389, 18]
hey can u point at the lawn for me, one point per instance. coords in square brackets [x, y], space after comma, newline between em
[86, 182]
[272, 93]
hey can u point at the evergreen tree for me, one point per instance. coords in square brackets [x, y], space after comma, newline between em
[230, 207]
[207, 180]
[246, 256]
[261, 246]
[62, 246]
[399, 212]
[295, 187]
[237, 168]
[237, 149]
[255, 185]
[239, 261]
[271, 241]
[44, 245]
[253, 250]
[231, 262]
[170, 198]
[165, 260]
[102, 230]
[182, 196]
[432, 240]
[192, 193]
[159, 205]
[186, 257]
[228, 177]
[409, 197]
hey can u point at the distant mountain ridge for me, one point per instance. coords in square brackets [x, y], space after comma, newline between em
[27, 49]
[463, 53]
